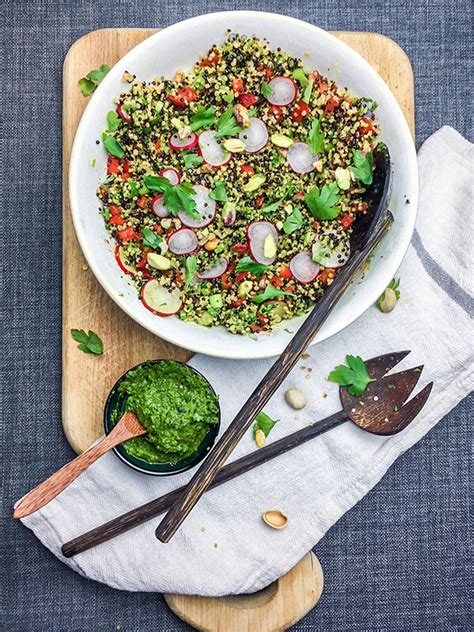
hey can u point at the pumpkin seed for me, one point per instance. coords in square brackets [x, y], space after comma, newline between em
[275, 519]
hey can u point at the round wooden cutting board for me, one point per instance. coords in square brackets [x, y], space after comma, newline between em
[87, 380]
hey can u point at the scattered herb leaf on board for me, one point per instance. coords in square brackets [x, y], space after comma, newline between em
[264, 423]
[88, 343]
[90, 82]
[355, 375]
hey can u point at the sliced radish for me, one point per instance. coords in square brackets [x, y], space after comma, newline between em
[214, 271]
[159, 300]
[255, 137]
[331, 251]
[182, 242]
[258, 234]
[124, 115]
[211, 149]
[205, 206]
[283, 91]
[303, 268]
[158, 208]
[171, 174]
[121, 260]
[300, 158]
[188, 142]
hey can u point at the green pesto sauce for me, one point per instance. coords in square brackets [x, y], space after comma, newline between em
[175, 405]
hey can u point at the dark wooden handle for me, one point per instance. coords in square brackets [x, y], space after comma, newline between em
[266, 388]
[57, 482]
[155, 507]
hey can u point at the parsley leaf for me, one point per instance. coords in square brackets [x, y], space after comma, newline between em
[293, 222]
[90, 82]
[88, 343]
[178, 197]
[307, 91]
[113, 121]
[150, 239]
[227, 124]
[203, 118]
[269, 293]
[321, 203]
[112, 146]
[157, 183]
[362, 166]
[190, 269]
[300, 76]
[219, 194]
[264, 423]
[191, 160]
[271, 208]
[265, 90]
[316, 137]
[355, 375]
[247, 264]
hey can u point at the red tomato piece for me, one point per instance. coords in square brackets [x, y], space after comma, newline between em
[226, 281]
[241, 249]
[248, 169]
[240, 277]
[300, 111]
[114, 209]
[331, 105]
[285, 273]
[276, 281]
[346, 220]
[276, 111]
[237, 86]
[247, 100]
[116, 220]
[142, 201]
[113, 165]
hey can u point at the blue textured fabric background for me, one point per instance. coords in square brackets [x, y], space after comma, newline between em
[400, 559]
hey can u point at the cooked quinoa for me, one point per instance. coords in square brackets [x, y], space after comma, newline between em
[163, 149]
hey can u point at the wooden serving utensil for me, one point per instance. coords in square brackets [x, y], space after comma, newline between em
[368, 231]
[382, 409]
[127, 428]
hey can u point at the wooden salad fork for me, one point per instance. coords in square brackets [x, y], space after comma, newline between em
[368, 232]
[127, 428]
[382, 409]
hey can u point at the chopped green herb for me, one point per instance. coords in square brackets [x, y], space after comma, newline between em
[270, 292]
[157, 183]
[293, 222]
[247, 264]
[395, 408]
[90, 82]
[178, 197]
[204, 117]
[271, 208]
[316, 137]
[362, 166]
[112, 146]
[307, 91]
[219, 193]
[355, 375]
[113, 121]
[88, 343]
[150, 239]
[321, 202]
[191, 160]
[300, 76]
[227, 124]
[264, 423]
[106, 213]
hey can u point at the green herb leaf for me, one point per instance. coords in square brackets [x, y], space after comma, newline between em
[219, 193]
[307, 91]
[178, 197]
[190, 269]
[264, 423]
[157, 183]
[316, 137]
[203, 118]
[90, 82]
[113, 121]
[134, 190]
[271, 208]
[300, 76]
[150, 239]
[191, 160]
[355, 375]
[227, 124]
[293, 222]
[321, 203]
[362, 166]
[269, 293]
[112, 146]
[265, 90]
[247, 264]
[88, 343]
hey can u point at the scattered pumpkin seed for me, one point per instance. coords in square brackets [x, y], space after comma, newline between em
[275, 519]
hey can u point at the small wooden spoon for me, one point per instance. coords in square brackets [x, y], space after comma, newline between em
[127, 428]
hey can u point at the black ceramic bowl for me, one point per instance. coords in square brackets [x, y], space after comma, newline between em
[116, 401]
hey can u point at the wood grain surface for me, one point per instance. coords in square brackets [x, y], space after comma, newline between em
[273, 609]
[88, 379]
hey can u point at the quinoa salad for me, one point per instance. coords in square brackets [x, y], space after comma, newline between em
[232, 189]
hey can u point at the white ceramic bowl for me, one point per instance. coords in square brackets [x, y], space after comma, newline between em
[178, 46]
